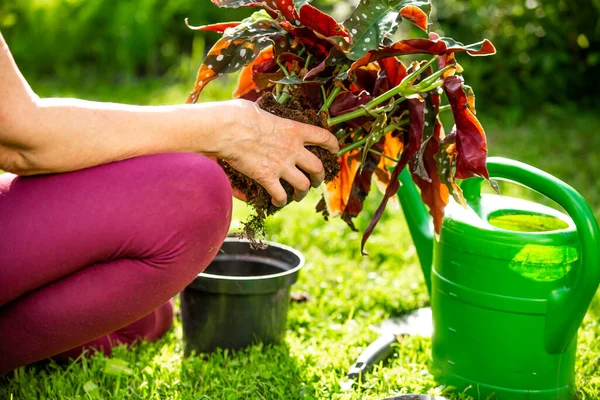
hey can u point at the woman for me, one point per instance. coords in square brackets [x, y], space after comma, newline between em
[109, 210]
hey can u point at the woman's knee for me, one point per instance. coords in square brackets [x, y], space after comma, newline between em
[200, 193]
[199, 200]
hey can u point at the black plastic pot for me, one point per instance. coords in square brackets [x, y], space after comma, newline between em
[241, 298]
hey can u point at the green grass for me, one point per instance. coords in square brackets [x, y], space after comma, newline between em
[348, 293]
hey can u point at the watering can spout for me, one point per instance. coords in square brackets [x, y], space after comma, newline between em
[419, 223]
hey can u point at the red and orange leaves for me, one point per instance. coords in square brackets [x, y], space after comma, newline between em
[471, 144]
[338, 190]
[359, 57]
[323, 24]
[219, 27]
[298, 13]
[423, 166]
[346, 194]
[237, 48]
[416, 111]
[417, 16]
[401, 48]
[246, 81]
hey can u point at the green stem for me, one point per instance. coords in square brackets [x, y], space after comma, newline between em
[351, 147]
[368, 108]
[400, 88]
[359, 112]
[357, 144]
[445, 108]
[393, 127]
[340, 132]
[278, 88]
[329, 100]
[308, 60]
[418, 72]
[283, 68]
[285, 96]
[383, 155]
[433, 86]
[431, 79]
[301, 52]
[342, 70]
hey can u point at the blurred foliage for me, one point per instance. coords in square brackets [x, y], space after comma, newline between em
[76, 39]
[548, 50]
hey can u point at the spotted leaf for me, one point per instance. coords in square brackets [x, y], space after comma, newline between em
[246, 82]
[237, 48]
[431, 132]
[374, 20]
[445, 160]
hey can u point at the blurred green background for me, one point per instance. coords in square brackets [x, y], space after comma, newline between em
[548, 51]
[537, 99]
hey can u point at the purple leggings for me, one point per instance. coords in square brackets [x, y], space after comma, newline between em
[92, 258]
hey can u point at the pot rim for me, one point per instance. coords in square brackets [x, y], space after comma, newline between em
[290, 271]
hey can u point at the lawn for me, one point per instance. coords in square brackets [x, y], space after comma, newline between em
[348, 292]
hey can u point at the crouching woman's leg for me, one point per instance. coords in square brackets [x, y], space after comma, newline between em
[87, 253]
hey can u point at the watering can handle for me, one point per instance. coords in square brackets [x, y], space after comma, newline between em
[568, 305]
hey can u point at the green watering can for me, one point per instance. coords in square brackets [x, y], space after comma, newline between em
[510, 283]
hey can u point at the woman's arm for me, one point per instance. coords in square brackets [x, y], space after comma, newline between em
[40, 136]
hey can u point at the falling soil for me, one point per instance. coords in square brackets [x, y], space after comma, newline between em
[299, 297]
[257, 196]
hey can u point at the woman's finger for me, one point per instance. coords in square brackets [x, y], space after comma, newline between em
[320, 137]
[299, 181]
[312, 165]
[238, 194]
[278, 194]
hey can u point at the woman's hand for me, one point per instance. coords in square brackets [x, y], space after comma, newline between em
[267, 148]
[39, 136]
